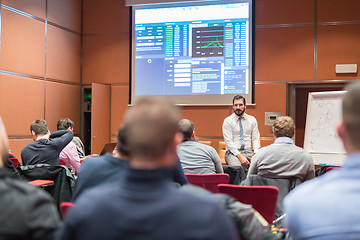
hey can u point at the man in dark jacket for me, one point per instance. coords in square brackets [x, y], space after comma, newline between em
[146, 204]
[46, 146]
[27, 212]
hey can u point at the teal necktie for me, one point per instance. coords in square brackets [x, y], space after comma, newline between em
[242, 147]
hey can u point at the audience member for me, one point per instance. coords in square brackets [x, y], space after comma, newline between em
[196, 157]
[249, 223]
[283, 159]
[70, 153]
[239, 129]
[27, 212]
[46, 146]
[68, 124]
[146, 204]
[112, 168]
[325, 208]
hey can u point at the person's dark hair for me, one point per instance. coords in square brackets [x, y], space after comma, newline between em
[238, 97]
[64, 124]
[121, 142]
[351, 113]
[39, 126]
[150, 126]
[186, 128]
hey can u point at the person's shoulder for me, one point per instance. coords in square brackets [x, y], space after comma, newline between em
[97, 162]
[93, 161]
[197, 201]
[207, 147]
[204, 210]
[266, 148]
[229, 118]
[305, 194]
[27, 147]
[26, 191]
[301, 152]
[250, 117]
[98, 196]
[76, 139]
[70, 147]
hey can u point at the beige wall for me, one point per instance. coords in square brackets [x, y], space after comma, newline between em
[39, 65]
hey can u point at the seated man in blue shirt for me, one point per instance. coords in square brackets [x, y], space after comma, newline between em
[326, 207]
[283, 159]
[146, 204]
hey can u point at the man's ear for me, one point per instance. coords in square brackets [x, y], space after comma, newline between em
[178, 138]
[32, 133]
[341, 130]
[193, 135]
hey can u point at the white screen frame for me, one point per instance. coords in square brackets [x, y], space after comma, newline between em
[199, 99]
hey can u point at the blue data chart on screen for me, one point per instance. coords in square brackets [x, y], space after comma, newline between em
[192, 57]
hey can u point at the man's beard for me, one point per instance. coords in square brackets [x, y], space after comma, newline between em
[238, 112]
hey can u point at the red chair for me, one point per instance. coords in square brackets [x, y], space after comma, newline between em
[331, 168]
[15, 162]
[262, 198]
[65, 207]
[42, 183]
[208, 181]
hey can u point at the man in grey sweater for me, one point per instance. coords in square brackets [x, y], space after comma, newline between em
[196, 157]
[283, 159]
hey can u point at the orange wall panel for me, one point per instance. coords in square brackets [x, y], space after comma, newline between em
[63, 55]
[119, 106]
[66, 13]
[21, 102]
[108, 17]
[106, 59]
[22, 44]
[334, 10]
[337, 45]
[207, 120]
[284, 11]
[268, 98]
[266, 142]
[16, 145]
[284, 53]
[62, 101]
[33, 7]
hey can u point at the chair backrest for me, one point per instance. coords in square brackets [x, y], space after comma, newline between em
[65, 207]
[208, 181]
[262, 198]
[41, 183]
[331, 168]
[222, 151]
[15, 162]
[222, 145]
[205, 142]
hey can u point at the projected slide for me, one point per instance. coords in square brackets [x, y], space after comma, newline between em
[208, 42]
[192, 50]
